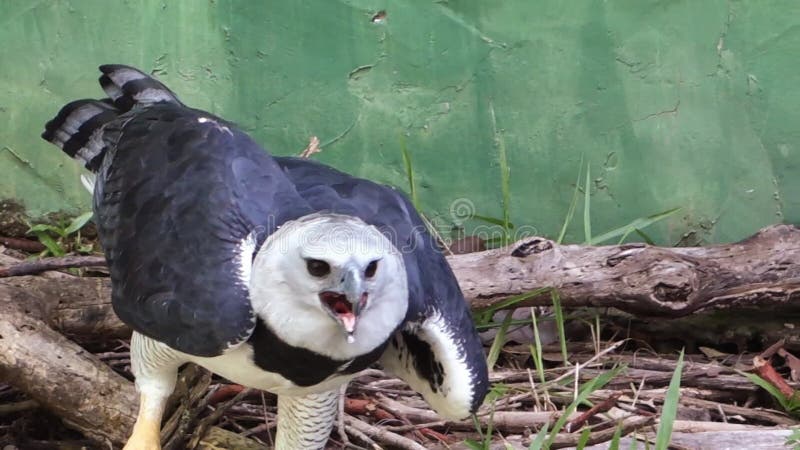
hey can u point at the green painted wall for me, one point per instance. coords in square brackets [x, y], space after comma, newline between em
[672, 103]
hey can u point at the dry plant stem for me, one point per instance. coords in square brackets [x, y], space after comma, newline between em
[45, 264]
[748, 413]
[767, 372]
[508, 421]
[207, 421]
[629, 425]
[25, 245]
[193, 383]
[12, 408]
[793, 362]
[312, 148]
[382, 435]
[361, 437]
[603, 406]
[772, 349]
[361, 407]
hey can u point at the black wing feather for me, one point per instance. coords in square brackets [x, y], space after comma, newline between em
[175, 199]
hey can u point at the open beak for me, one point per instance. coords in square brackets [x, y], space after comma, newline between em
[345, 306]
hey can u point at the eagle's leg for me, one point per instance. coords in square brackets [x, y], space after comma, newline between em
[156, 368]
[305, 422]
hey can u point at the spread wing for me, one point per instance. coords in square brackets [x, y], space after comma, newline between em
[436, 350]
[182, 200]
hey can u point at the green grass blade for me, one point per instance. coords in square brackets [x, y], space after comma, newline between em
[487, 437]
[585, 434]
[505, 172]
[587, 203]
[499, 341]
[473, 445]
[559, 323]
[477, 424]
[52, 246]
[572, 205]
[538, 441]
[536, 349]
[511, 301]
[625, 236]
[670, 408]
[586, 390]
[494, 221]
[412, 185]
[78, 223]
[769, 387]
[636, 224]
[614, 445]
[489, 326]
[645, 237]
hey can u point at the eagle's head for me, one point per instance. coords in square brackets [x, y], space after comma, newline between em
[330, 283]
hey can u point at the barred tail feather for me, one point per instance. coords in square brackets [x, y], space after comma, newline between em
[78, 130]
[128, 87]
[79, 127]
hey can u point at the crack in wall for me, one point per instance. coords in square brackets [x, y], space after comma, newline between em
[673, 110]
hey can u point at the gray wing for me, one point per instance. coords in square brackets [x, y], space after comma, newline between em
[182, 201]
[436, 350]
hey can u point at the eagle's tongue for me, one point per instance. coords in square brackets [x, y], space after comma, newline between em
[340, 306]
[349, 321]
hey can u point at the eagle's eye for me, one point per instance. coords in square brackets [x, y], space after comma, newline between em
[371, 268]
[318, 268]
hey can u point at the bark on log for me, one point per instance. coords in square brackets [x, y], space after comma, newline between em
[79, 308]
[74, 384]
[762, 271]
[63, 377]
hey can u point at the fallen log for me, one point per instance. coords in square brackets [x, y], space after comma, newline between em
[74, 384]
[63, 377]
[758, 273]
[762, 271]
[77, 307]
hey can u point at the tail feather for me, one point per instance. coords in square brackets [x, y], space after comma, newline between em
[128, 87]
[78, 129]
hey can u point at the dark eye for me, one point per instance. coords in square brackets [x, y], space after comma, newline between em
[371, 268]
[317, 267]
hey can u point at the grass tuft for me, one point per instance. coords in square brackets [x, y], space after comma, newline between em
[635, 226]
[670, 409]
[505, 174]
[412, 184]
[559, 312]
[499, 341]
[536, 350]
[587, 203]
[572, 205]
[592, 385]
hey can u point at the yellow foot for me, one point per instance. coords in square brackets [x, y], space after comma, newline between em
[145, 436]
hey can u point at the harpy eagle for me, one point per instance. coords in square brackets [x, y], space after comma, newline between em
[281, 274]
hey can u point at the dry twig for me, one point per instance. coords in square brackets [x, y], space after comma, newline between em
[45, 264]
